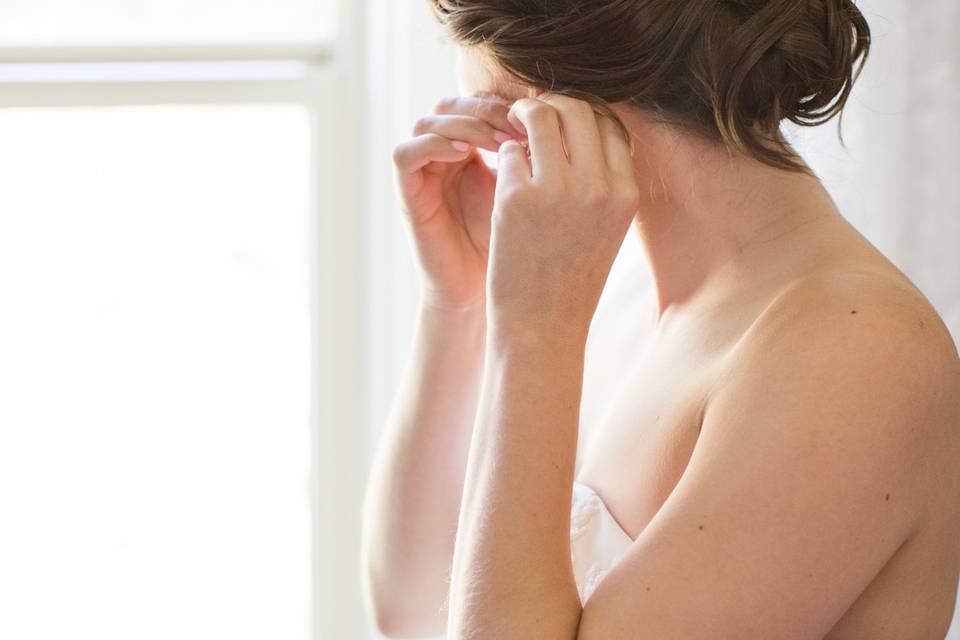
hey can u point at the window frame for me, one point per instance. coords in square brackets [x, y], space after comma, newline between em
[169, 53]
[332, 90]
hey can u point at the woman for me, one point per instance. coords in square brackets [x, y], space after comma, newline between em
[778, 461]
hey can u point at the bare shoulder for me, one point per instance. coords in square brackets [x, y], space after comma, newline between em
[827, 442]
[881, 320]
[875, 336]
[859, 366]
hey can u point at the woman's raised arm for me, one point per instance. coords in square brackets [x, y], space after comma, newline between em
[413, 497]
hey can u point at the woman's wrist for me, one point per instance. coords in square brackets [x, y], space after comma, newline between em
[470, 319]
[433, 303]
[531, 335]
[462, 327]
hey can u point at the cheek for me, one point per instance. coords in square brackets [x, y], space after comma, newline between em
[470, 79]
[473, 76]
[466, 84]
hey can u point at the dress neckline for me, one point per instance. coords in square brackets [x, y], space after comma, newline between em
[605, 508]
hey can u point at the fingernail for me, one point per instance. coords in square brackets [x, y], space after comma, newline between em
[460, 145]
[501, 136]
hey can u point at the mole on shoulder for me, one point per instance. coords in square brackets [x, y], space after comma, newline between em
[888, 497]
[854, 312]
[700, 527]
[648, 588]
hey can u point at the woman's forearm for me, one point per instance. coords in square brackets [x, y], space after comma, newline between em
[413, 497]
[512, 574]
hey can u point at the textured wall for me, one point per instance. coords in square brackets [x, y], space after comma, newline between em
[897, 181]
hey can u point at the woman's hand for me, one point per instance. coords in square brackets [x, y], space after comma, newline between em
[447, 194]
[559, 219]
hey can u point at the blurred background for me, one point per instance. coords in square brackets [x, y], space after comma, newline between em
[208, 297]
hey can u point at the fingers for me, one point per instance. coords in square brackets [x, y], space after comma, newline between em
[616, 150]
[513, 167]
[467, 128]
[618, 154]
[542, 124]
[458, 123]
[448, 135]
[486, 107]
[562, 133]
[578, 123]
[412, 155]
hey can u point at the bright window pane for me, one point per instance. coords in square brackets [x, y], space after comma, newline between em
[154, 377]
[34, 23]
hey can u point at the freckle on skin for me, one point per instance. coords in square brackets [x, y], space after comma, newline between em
[888, 497]
[648, 588]
[854, 312]
[700, 527]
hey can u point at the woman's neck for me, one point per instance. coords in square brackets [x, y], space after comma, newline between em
[710, 220]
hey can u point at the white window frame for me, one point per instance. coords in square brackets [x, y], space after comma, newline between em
[331, 88]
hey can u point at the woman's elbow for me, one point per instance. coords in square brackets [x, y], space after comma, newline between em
[395, 611]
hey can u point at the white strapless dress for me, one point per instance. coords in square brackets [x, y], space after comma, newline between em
[596, 540]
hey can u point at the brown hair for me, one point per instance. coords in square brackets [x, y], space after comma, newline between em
[730, 70]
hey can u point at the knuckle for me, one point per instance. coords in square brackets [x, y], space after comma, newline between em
[569, 103]
[521, 104]
[597, 193]
[582, 105]
[484, 109]
[511, 147]
[533, 109]
[423, 124]
[399, 154]
[496, 108]
[445, 104]
[630, 195]
[480, 127]
[541, 112]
